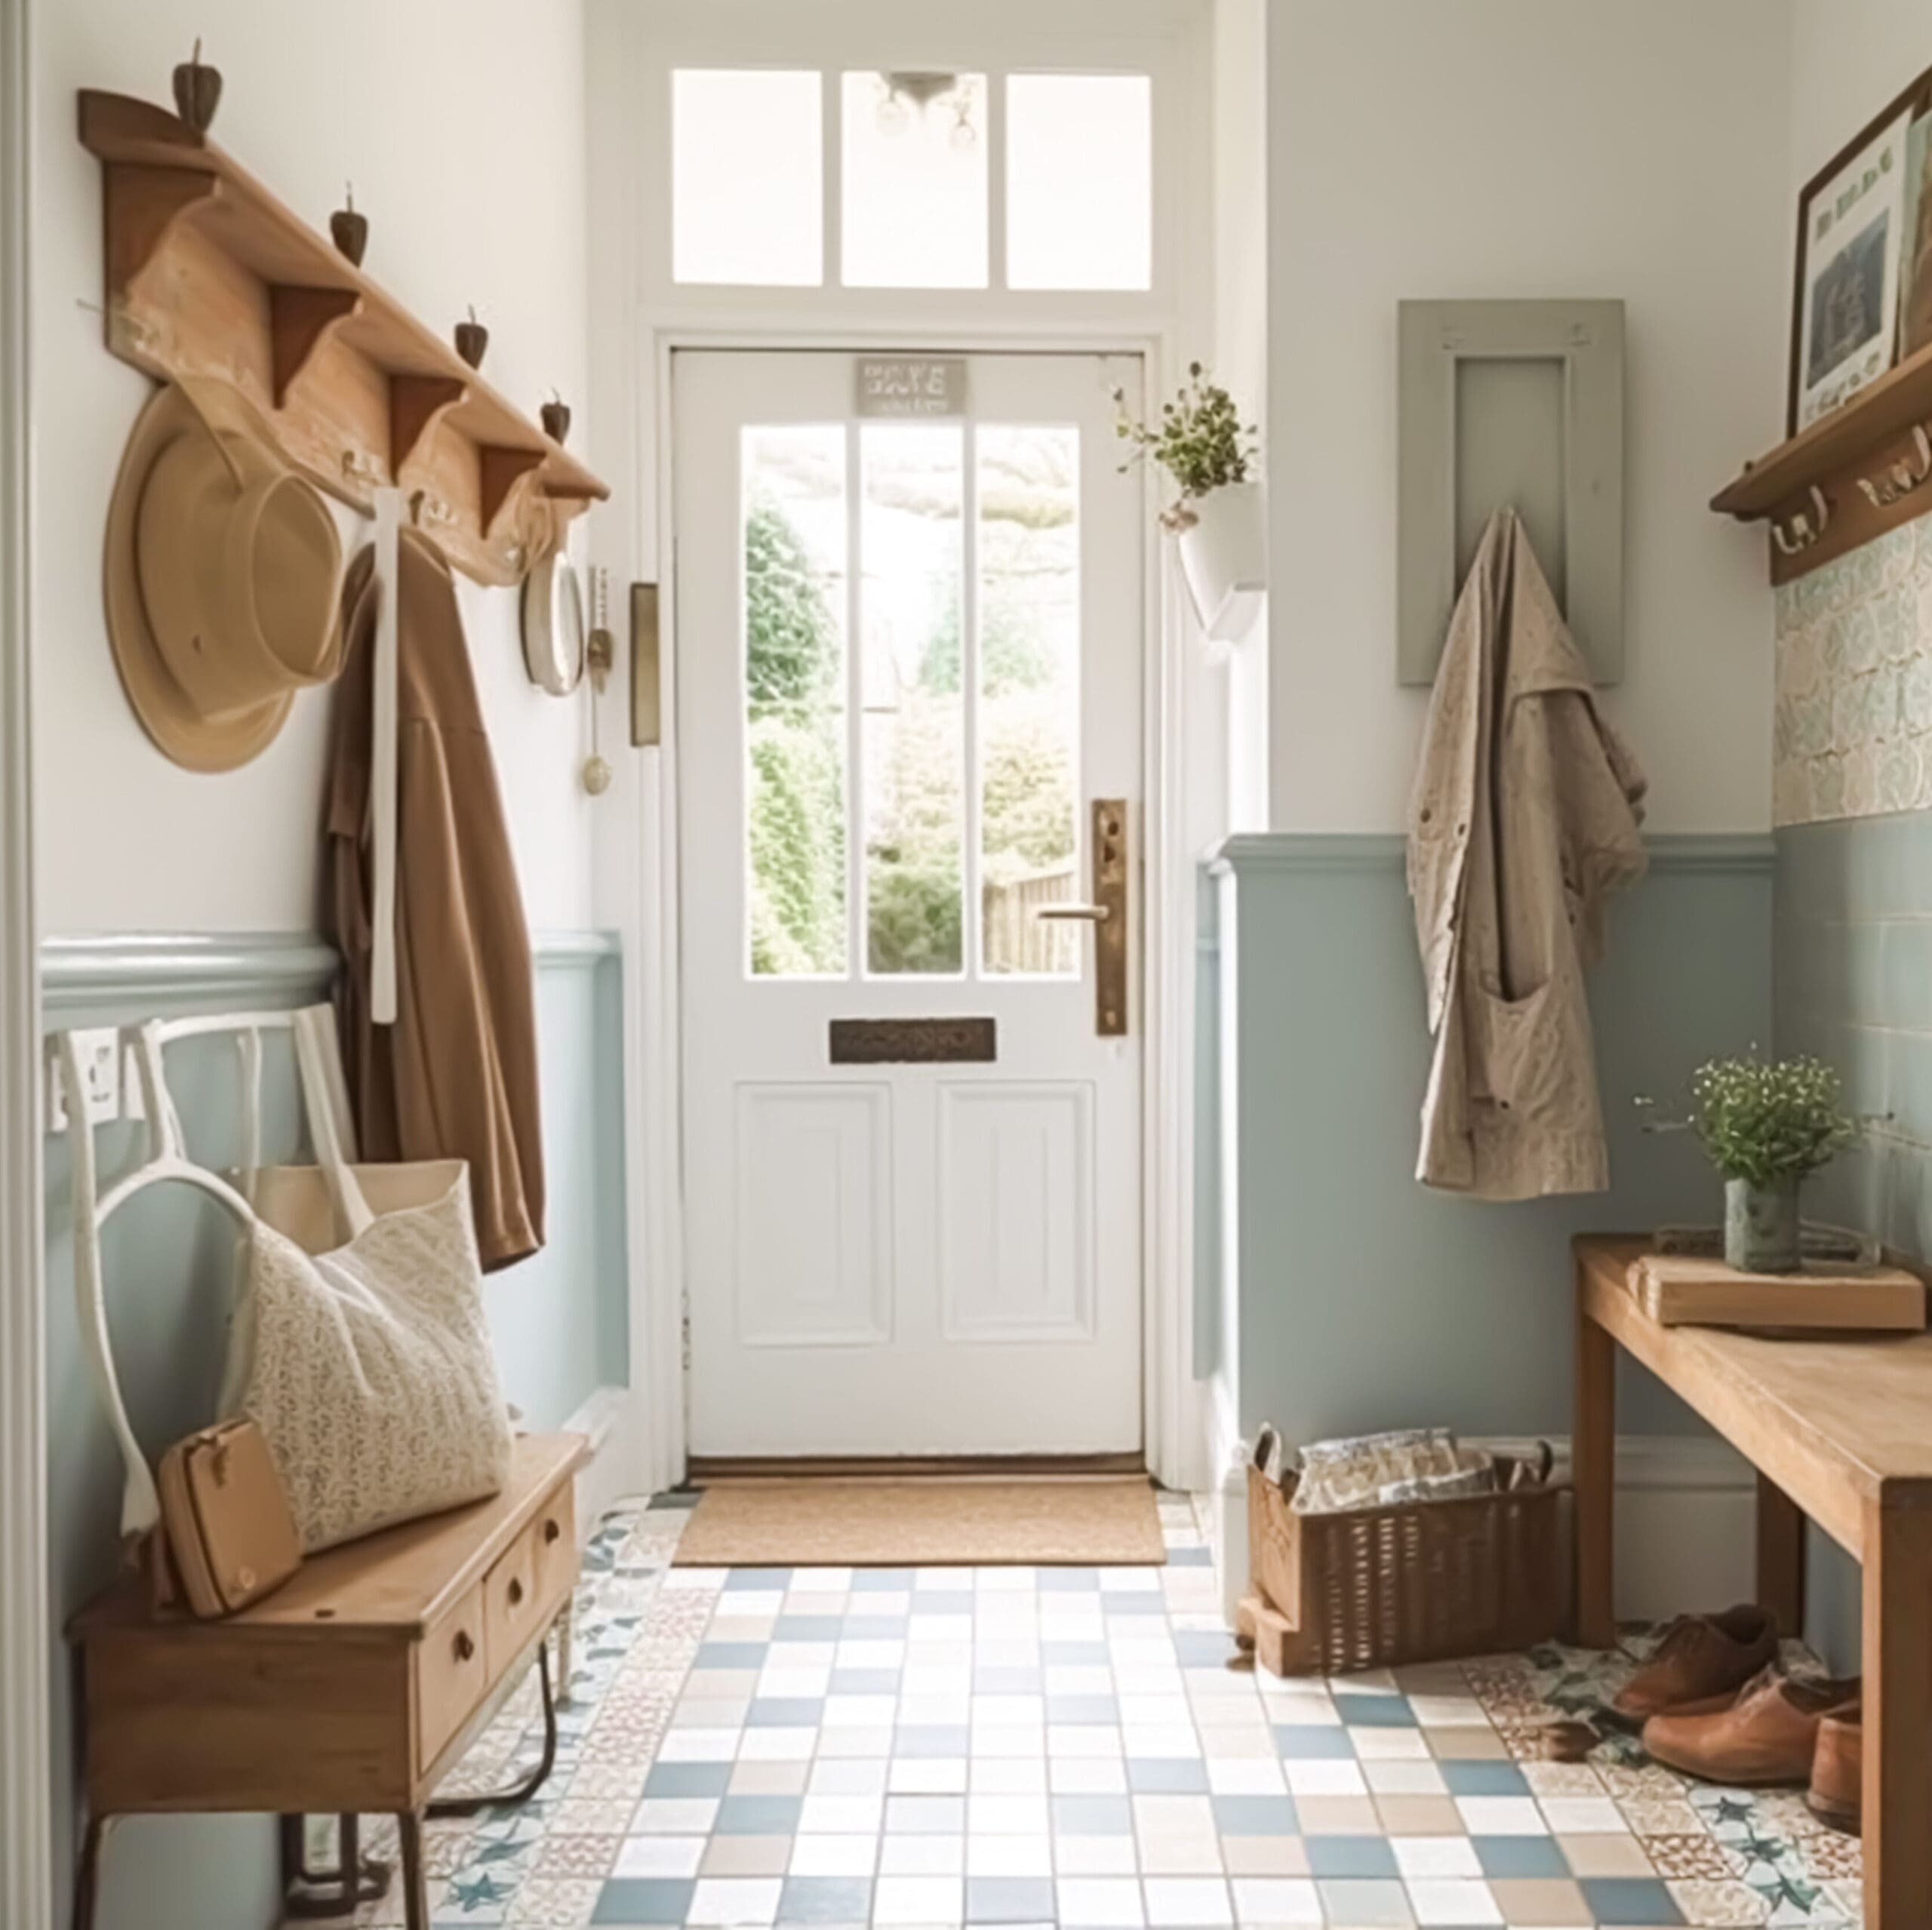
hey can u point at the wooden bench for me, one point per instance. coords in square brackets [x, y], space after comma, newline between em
[351, 1691]
[1839, 1430]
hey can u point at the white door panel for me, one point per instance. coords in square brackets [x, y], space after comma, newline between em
[908, 657]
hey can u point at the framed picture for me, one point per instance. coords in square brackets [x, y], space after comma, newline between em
[1851, 246]
[1915, 274]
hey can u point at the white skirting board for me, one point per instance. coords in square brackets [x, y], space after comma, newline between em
[607, 1419]
[1686, 1524]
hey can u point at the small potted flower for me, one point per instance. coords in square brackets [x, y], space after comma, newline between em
[1220, 515]
[1766, 1124]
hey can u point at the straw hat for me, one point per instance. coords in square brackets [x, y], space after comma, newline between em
[223, 572]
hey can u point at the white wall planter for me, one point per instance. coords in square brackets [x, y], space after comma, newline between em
[1224, 557]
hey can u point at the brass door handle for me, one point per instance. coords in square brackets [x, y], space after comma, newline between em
[1091, 915]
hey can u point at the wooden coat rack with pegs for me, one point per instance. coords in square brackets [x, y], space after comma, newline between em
[208, 273]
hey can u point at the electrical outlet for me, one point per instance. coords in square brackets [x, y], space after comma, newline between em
[106, 1077]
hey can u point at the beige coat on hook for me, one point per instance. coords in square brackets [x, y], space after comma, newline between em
[1526, 814]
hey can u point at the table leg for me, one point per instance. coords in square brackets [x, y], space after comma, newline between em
[87, 1878]
[415, 1887]
[1780, 1558]
[1898, 1718]
[1593, 1477]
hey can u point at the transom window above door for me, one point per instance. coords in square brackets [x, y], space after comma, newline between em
[1036, 181]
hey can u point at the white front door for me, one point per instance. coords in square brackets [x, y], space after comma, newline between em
[910, 661]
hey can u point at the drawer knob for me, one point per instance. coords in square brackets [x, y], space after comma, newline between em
[552, 1531]
[462, 1645]
[515, 1591]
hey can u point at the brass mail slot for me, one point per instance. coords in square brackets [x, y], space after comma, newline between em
[913, 1041]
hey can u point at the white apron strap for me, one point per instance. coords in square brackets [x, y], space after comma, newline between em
[325, 1100]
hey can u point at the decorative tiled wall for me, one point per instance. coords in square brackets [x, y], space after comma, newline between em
[1853, 733]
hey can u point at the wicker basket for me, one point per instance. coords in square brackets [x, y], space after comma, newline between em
[1420, 1581]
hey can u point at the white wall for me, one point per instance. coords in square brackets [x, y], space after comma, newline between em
[1848, 58]
[460, 123]
[1499, 148]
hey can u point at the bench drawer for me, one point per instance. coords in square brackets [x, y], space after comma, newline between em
[511, 1603]
[554, 1536]
[452, 1675]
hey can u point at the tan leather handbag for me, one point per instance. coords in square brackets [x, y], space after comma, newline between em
[230, 1536]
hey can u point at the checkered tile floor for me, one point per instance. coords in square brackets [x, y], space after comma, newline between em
[1069, 1747]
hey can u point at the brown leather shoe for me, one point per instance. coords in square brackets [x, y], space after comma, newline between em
[1768, 1736]
[1701, 1662]
[1838, 1770]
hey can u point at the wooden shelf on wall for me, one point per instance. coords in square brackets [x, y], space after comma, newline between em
[1868, 463]
[208, 273]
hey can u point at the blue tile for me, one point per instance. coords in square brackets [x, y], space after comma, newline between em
[991, 1681]
[1160, 1775]
[1350, 1856]
[1122, 1607]
[1074, 1654]
[688, 1779]
[931, 1739]
[676, 1498]
[808, 1628]
[1483, 1778]
[825, 1900]
[1374, 1712]
[943, 1601]
[747, 1580]
[1636, 1900]
[1520, 1856]
[633, 1900]
[1009, 1900]
[1203, 1647]
[786, 1712]
[1058, 1580]
[758, 1815]
[865, 1682]
[879, 1581]
[1083, 1709]
[1092, 1816]
[1190, 1558]
[731, 1655]
[1303, 1743]
[1254, 1815]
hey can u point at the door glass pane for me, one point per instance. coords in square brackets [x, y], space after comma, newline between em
[794, 525]
[746, 205]
[915, 180]
[909, 670]
[1079, 181]
[1029, 694]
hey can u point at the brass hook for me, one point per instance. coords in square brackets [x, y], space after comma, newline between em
[1894, 484]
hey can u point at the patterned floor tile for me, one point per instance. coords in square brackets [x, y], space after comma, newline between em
[950, 1748]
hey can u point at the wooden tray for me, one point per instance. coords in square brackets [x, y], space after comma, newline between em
[1685, 1290]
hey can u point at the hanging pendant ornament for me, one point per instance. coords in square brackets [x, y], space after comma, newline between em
[600, 653]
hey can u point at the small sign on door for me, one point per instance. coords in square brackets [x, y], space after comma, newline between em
[910, 385]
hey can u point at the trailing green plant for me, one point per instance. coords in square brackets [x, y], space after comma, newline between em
[1764, 1120]
[1199, 439]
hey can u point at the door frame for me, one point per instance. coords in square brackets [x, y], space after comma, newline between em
[1172, 1409]
[26, 1848]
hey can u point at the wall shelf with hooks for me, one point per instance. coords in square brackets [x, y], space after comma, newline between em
[208, 273]
[1854, 473]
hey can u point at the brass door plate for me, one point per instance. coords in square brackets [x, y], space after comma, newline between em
[1110, 933]
[647, 715]
[912, 1042]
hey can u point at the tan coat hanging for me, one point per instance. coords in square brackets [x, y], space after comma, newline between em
[1525, 815]
[456, 1076]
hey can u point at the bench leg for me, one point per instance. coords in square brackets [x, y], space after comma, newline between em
[87, 1878]
[1593, 1476]
[1898, 1717]
[474, 1806]
[1780, 1558]
[415, 1885]
[564, 1622]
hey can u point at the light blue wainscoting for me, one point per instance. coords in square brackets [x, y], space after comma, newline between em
[1352, 1297]
[559, 1318]
[1854, 985]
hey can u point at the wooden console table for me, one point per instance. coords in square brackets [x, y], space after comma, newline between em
[351, 1691]
[1838, 1430]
